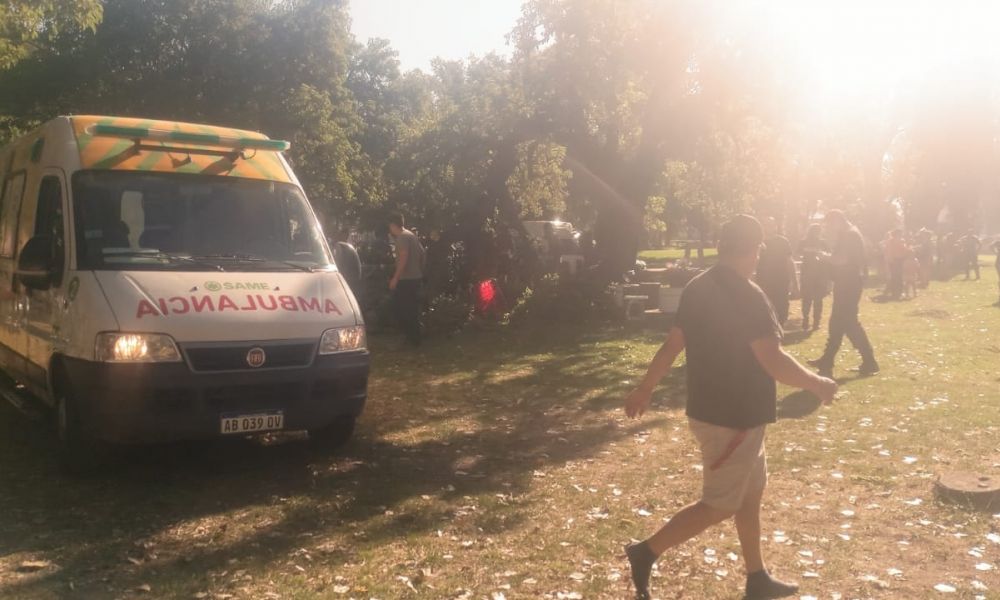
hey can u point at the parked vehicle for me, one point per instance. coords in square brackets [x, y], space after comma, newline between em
[168, 281]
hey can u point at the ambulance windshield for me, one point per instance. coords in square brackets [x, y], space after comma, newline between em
[127, 220]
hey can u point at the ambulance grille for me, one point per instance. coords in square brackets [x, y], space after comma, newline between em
[234, 358]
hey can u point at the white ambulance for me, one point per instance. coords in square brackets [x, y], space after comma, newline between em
[168, 281]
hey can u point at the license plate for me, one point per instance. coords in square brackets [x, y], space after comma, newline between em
[270, 421]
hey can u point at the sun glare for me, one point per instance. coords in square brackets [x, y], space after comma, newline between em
[854, 53]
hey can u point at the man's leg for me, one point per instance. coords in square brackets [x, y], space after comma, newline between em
[837, 329]
[807, 302]
[747, 520]
[399, 307]
[406, 300]
[859, 339]
[760, 584]
[726, 458]
[412, 310]
[856, 332]
[818, 312]
[686, 524]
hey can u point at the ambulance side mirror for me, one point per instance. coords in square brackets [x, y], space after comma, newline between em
[35, 264]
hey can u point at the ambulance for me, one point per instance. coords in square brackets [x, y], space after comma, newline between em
[165, 281]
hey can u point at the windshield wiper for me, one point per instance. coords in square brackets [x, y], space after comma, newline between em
[161, 254]
[249, 258]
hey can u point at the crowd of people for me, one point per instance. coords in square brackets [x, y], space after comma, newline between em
[908, 263]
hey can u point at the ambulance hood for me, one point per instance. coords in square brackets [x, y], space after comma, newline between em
[232, 306]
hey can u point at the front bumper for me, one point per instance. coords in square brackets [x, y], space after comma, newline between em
[148, 403]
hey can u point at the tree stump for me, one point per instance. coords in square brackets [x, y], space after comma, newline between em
[973, 490]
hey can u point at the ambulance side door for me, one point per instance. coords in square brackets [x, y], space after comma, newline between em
[47, 309]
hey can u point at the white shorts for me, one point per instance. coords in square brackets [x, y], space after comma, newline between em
[735, 465]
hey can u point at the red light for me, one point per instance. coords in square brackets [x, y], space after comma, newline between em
[487, 297]
[487, 291]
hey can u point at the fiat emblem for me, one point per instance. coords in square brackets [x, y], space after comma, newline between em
[256, 358]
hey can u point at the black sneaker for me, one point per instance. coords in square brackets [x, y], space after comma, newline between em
[823, 368]
[761, 586]
[640, 560]
[868, 369]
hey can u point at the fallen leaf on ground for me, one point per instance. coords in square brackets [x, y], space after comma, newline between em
[30, 566]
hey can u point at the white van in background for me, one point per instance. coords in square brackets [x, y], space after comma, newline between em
[168, 281]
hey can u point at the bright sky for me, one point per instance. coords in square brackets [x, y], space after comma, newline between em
[424, 29]
[850, 51]
[858, 50]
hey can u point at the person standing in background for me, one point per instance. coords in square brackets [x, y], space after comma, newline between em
[969, 247]
[925, 254]
[775, 274]
[848, 266]
[895, 254]
[815, 283]
[406, 280]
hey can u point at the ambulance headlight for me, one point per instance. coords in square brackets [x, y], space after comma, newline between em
[136, 348]
[343, 339]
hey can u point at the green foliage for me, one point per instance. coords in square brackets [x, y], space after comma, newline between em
[447, 314]
[27, 26]
[655, 219]
[539, 183]
[631, 118]
[555, 300]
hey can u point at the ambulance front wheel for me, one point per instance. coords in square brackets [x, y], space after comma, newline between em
[78, 453]
[335, 434]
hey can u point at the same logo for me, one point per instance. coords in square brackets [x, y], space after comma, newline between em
[213, 286]
[256, 358]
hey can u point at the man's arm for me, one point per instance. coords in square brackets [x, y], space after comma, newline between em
[402, 255]
[638, 401]
[783, 368]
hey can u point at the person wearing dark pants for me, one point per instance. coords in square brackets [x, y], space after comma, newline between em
[815, 284]
[969, 246]
[848, 265]
[406, 305]
[775, 274]
[406, 280]
[731, 336]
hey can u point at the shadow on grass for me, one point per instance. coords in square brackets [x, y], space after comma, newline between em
[797, 336]
[798, 405]
[526, 405]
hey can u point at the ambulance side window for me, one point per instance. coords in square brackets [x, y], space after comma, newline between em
[10, 206]
[49, 222]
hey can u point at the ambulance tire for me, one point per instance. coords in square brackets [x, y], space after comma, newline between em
[78, 454]
[334, 435]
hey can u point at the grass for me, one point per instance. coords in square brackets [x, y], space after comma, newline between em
[501, 463]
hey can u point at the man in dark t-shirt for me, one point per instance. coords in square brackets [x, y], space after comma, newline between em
[733, 343]
[849, 267]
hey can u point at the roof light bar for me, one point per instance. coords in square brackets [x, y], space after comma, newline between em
[204, 139]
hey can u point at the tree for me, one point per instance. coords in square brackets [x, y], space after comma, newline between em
[278, 67]
[28, 25]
